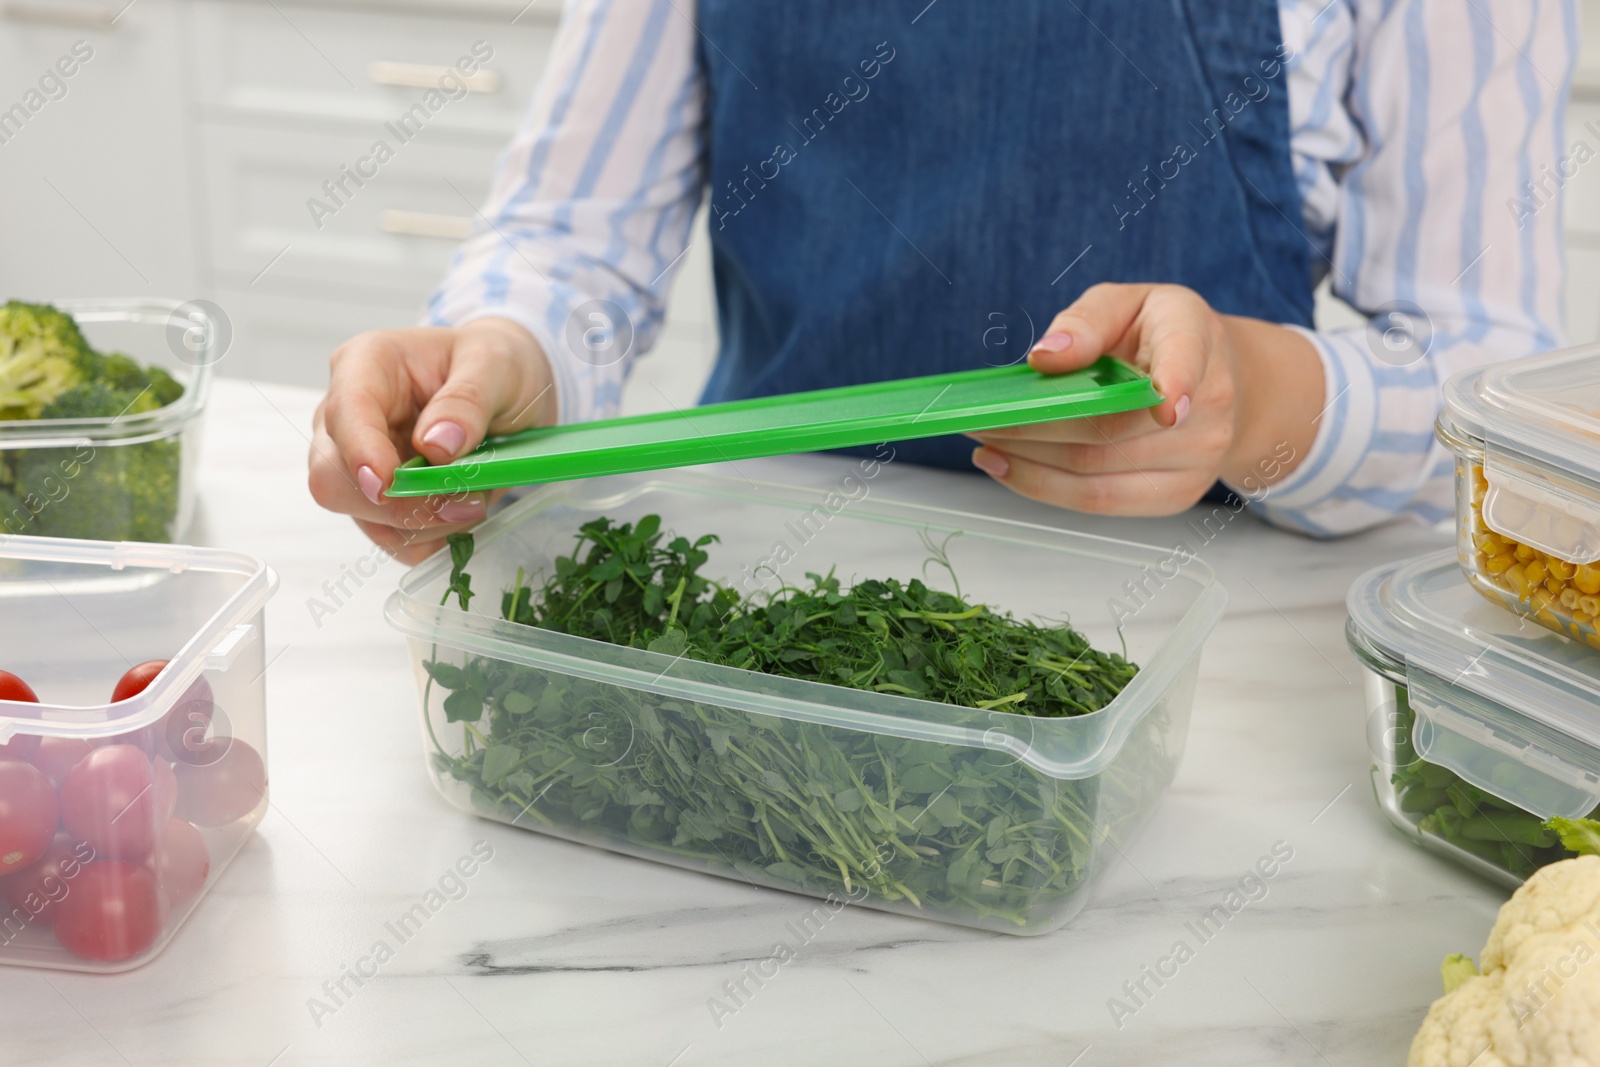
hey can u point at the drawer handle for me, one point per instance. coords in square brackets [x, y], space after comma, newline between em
[427, 76]
[93, 18]
[424, 224]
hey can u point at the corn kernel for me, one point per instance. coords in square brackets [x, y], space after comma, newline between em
[1582, 618]
[1560, 568]
[1569, 598]
[1535, 571]
[1524, 553]
[1555, 585]
[1501, 563]
[1589, 605]
[1516, 581]
[1593, 640]
[1587, 578]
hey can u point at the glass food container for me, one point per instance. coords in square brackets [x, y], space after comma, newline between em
[985, 818]
[137, 804]
[1481, 724]
[124, 478]
[1526, 437]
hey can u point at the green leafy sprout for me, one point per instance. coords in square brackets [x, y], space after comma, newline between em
[965, 833]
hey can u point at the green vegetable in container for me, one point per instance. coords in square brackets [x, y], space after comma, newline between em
[105, 490]
[42, 355]
[827, 809]
[1472, 819]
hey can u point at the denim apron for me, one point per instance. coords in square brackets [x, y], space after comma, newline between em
[900, 189]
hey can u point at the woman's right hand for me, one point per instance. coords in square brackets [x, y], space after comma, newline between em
[430, 391]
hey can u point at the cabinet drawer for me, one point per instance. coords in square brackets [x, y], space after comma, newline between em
[94, 192]
[391, 237]
[338, 67]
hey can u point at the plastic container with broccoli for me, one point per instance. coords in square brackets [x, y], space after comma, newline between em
[97, 443]
[1482, 726]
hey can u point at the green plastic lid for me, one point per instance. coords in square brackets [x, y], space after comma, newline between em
[985, 399]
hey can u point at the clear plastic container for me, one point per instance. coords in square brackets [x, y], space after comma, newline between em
[1481, 726]
[128, 478]
[1526, 436]
[980, 817]
[150, 797]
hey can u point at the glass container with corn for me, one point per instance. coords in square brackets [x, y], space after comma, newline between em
[1526, 439]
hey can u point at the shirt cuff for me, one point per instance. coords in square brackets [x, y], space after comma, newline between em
[1344, 428]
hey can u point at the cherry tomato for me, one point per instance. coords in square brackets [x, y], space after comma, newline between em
[137, 678]
[58, 755]
[182, 728]
[20, 747]
[181, 862]
[226, 788]
[37, 890]
[27, 815]
[113, 911]
[114, 800]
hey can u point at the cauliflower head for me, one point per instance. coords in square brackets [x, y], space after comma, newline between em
[42, 355]
[1537, 1002]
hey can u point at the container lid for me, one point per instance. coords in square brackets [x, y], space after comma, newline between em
[983, 399]
[1505, 703]
[1537, 422]
[78, 571]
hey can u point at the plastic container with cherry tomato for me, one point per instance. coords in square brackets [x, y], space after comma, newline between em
[132, 741]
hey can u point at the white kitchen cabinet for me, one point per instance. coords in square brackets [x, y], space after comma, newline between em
[95, 190]
[315, 66]
[390, 237]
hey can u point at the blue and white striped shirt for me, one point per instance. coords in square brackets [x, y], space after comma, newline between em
[1426, 141]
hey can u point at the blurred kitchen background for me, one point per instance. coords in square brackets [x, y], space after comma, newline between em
[179, 160]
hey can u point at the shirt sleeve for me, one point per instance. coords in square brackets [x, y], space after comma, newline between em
[589, 212]
[1433, 204]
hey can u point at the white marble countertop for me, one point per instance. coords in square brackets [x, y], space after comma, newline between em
[561, 954]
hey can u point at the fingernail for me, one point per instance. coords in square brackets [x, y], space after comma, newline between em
[990, 462]
[1054, 342]
[446, 435]
[463, 510]
[371, 485]
[1180, 411]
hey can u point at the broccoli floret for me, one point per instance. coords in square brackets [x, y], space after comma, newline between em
[107, 492]
[116, 385]
[121, 370]
[42, 355]
[14, 517]
[102, 399]
[164, 387]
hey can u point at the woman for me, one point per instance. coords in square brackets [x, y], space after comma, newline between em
[888, 181]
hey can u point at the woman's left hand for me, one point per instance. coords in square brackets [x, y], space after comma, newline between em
[1240, 403]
